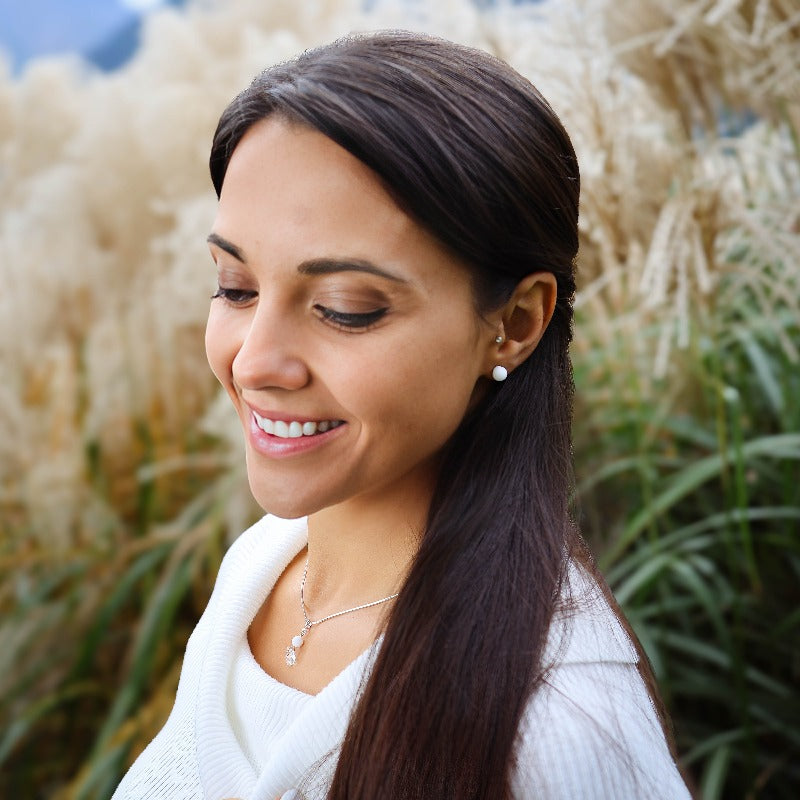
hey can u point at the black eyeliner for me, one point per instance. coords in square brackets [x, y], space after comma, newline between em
[349, 320]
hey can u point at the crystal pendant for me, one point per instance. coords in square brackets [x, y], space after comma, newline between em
[297, 643]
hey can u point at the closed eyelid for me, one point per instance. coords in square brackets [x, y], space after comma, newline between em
[350, 320]
[234, 296]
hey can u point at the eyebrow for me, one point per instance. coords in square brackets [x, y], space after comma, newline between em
[314, 266]
[329, 266]
[228, 247]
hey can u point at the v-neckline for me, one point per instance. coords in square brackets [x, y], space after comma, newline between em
[321, 723]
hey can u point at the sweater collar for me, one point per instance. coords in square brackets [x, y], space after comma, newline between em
[250, 570]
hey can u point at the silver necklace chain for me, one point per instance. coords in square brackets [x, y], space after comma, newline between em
[297, 641]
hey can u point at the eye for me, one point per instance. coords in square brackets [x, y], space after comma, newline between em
[236, 297]
[342, 319]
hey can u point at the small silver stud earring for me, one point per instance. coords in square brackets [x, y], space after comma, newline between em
[499, 373]
[498, 339]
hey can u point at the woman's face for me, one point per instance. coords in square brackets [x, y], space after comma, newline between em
[345, 335]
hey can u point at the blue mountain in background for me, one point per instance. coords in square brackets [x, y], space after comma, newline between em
[105, 32]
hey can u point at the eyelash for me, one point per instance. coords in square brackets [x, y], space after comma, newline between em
[236, 297]
[343, 320]
[351, 321]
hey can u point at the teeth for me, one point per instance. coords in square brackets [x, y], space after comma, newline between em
[294, 429]
[281, 429]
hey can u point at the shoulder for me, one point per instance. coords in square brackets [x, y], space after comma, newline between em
[170, 766]
[591, 730]
[584, 628]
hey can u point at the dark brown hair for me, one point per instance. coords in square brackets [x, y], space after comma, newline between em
[472, 151]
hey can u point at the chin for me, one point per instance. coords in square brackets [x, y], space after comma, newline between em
[285, 507]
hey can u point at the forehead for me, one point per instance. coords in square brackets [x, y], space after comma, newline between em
[289, 173]
[290, 193]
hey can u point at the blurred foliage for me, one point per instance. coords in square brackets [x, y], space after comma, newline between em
[121, 480]
[692, 498]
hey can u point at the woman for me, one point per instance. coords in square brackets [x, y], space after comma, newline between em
[415, 617]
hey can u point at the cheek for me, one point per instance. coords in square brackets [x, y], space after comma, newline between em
[220, 347]
[449, 376]
[424, 390]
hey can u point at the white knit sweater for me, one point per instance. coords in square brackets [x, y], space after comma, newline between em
[590, 733]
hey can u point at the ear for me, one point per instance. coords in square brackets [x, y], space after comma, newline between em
[523, 319]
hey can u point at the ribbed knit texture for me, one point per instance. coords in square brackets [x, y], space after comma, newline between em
[590, 733]
[260, 708]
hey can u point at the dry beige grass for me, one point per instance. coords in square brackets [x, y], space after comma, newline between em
[105, 203]
[105, 206]
[699, 54]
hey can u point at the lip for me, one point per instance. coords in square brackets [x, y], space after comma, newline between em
[276, 447]
[283, 417]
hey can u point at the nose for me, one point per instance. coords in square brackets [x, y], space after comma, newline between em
[269, 354]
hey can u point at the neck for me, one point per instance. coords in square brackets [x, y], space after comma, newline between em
[360, 550]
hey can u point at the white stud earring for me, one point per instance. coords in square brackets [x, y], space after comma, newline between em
[498, 339]
[499, 373]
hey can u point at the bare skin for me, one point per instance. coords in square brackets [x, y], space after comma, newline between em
[337, 306]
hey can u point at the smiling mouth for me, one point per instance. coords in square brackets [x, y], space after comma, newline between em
[295, 429]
